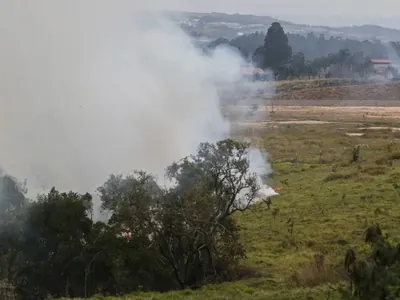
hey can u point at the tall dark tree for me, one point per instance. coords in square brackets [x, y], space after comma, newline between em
[276, 51]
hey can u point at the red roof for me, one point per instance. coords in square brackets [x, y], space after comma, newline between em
[381, 61]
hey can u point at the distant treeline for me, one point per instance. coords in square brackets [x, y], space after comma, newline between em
[315, 46]
[288, 55]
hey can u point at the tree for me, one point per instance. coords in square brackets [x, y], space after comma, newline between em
[396, 47]
[54, 235]
[12, 197]
[298, 65]
[276, 52]
[12, 214]
[190, 223]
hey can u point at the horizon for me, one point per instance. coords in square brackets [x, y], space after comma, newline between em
[314, 20]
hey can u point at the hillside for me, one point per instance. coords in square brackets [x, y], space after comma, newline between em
[216, 25]
[293, 91]
[296, 248]
[317, 92]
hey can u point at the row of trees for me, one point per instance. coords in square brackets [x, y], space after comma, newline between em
[156, 238]
[314, 46]
[275, 52]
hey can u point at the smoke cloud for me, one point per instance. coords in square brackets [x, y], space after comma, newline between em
[90, 88]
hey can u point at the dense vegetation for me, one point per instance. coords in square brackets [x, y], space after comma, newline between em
[156, 238]
[289, 55]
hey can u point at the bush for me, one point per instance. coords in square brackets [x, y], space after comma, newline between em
[378, 275]
[7, 291]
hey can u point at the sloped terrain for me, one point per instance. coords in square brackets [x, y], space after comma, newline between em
[384, 91]
[328, 200]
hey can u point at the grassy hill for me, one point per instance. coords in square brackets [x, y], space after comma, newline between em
[328, 199]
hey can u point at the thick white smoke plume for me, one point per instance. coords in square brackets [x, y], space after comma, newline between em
[90, 88]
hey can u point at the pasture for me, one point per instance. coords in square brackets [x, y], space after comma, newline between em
[296, 247]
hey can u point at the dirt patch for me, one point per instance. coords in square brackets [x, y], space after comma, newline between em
[304, 122]
[381, 117]
[337, 113]
[310, 122]
[367, 111]
[354, 134]
[381, 128]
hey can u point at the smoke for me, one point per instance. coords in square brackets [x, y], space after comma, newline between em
[90, 88]
[393, 50]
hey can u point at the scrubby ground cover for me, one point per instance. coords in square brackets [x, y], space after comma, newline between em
[330, 195]
[338, 90]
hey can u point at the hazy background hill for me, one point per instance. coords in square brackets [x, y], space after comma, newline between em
[229, 26]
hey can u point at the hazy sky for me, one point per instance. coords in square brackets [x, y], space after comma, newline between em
[329, 12]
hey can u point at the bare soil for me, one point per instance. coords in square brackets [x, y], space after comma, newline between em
[374, 112]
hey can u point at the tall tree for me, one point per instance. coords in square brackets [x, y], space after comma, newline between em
[276, 51]
[54, 236]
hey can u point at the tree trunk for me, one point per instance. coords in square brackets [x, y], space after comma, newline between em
[67, 288]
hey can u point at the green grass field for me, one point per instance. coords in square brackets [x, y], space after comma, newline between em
[329, 201]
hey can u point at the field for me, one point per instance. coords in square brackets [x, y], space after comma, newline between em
[317, 92]
[296, 248]
[336, 89]
[325, 90]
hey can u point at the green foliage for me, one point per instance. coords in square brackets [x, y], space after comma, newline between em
[157, 238]
[7, 291]
[12, 197]
[378, 275]
[190, 224]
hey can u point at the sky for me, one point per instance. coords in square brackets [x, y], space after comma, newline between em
[314, 12]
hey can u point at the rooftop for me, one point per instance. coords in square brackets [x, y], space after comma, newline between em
[381, 61]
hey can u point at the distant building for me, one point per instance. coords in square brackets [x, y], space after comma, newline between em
[380, 65]
[386, 67]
